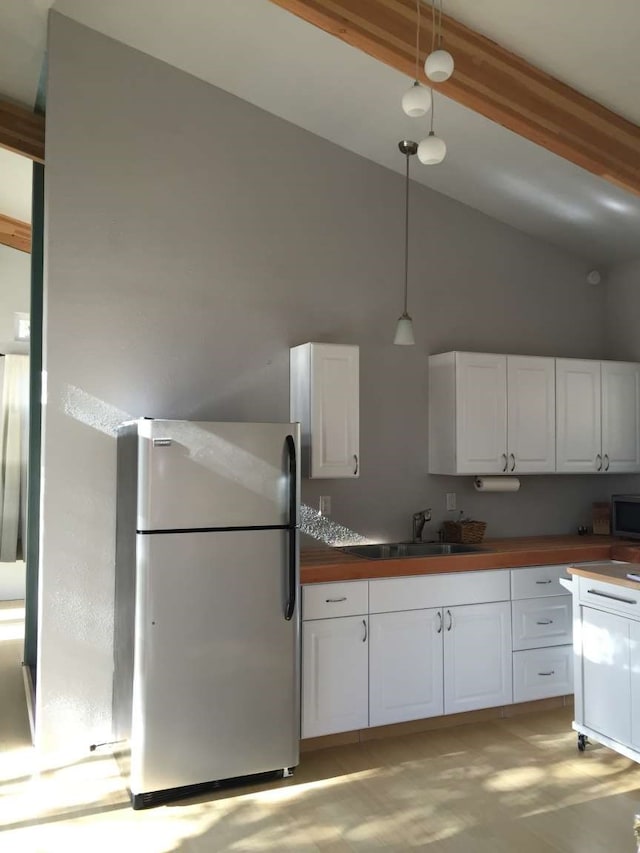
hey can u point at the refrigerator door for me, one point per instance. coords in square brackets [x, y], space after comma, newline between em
[196, 475]
[216, 674]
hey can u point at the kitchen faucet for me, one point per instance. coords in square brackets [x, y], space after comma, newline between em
[419, 521]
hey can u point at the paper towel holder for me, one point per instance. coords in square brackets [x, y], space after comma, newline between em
[496, 484]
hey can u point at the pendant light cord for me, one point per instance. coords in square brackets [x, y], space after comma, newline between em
[436, 27]
[417, 37]
[406, 236]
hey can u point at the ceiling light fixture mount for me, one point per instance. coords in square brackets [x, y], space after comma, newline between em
[404, 327]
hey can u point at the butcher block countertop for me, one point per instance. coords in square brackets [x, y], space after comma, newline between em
[331, 564]
[609, 573]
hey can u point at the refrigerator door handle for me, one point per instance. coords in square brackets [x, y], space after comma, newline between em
[293, 504]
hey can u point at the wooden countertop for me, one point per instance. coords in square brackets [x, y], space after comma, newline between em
[608, 572]
[332, 564]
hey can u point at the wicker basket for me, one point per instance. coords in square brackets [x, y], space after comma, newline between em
[467, 532]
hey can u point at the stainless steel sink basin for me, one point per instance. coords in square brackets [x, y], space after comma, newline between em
[395, 550]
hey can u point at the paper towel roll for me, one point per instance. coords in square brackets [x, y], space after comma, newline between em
[496, 484]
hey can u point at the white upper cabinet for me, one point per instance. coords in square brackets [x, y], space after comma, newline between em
[325, 400]
[598, 427]
[620, 416]
[579, 422]
[531, 414]
[491, 414]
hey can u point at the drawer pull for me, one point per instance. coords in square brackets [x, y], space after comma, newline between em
[543, 582]
[544, 622]
[551, 672]
[612, 597]
[335, 600]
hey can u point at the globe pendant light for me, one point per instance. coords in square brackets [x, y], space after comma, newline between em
[417, 101]
[439, 65]
[404, 327]
[432, 150]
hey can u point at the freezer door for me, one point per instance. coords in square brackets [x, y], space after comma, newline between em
[210, 475]
[216, 672]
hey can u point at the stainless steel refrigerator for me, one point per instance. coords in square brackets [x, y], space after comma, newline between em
[206, 676]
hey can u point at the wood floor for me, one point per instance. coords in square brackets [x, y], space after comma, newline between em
[515, 785]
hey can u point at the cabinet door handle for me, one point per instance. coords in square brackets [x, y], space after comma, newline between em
[612, 597]
[450, 625]
[355, 459]
[551, 672]
[439, 631]
[366, 633]
[545, 622]
[335, 600]
[506, 462]
[513, 461]
[598, 462]
[543, 582]
[606, 461]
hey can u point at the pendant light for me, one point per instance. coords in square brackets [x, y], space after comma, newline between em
[439, 65]
[404, 327]
[432, 150]
[417, 101]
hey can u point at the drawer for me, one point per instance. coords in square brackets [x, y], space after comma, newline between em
[537, 622]
[343, 598]
[540, 673]
[536, 581]
[416, 593]
[609, 596]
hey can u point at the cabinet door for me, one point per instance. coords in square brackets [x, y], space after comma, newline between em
[634, 660]
[405, 666]
[620, 416]
[606, 682]
[335, 429]
[578, 416]
[335, 693]
[481, 413]
[531, 418]
[477, 657]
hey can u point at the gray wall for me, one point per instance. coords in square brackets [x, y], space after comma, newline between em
[192, 239]
[622, 291]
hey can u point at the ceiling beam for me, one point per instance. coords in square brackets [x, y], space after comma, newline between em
[15, 233]
[22, 130]
[490, 80]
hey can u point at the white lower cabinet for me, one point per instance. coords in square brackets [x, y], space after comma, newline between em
[606, 693]
[406, 666]
[542, 673]
[335, 676]
[477, 657]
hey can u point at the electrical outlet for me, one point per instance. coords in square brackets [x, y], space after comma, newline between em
[325, 505]
[451, 500]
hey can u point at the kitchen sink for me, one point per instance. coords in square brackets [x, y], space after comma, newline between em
[395, 550]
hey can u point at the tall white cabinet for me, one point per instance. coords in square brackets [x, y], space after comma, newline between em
[598, 428]
[491, 414]
[324, 398]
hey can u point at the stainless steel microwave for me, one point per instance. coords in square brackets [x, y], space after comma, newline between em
[625, 516]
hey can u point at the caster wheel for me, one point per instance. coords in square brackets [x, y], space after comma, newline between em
[582, 742]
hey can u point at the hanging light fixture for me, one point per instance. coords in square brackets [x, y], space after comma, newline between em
[404, 327]
[432, 150]
[439, 65]
[417, 101]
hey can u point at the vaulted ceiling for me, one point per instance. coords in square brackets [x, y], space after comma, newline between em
[271, 58]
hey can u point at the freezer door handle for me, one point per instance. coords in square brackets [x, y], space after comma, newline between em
[293, 504]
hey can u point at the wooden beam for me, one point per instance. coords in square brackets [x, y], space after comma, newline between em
[490, 80]
[15, 233]
[22, 130]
